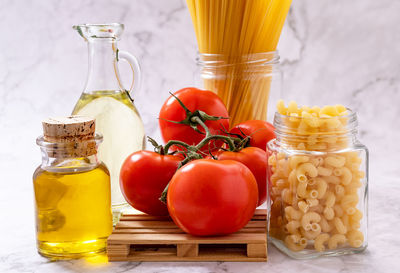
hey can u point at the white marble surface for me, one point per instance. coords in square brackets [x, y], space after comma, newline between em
[342, 51]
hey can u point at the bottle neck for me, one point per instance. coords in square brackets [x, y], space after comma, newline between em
[103, 72]
[74, 164]
[69, 156]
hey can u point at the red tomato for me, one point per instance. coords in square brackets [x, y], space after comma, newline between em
[260, 132]
[194, 99]
[209, 197]
[256, 160]
[144, 176]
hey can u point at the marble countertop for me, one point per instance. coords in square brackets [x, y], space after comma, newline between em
[331, 51]
[18, 252]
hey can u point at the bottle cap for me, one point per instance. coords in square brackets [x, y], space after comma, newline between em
[71, 136]
[67, 129]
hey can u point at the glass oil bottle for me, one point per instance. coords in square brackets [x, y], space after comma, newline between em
[105, 99]
[72, 190]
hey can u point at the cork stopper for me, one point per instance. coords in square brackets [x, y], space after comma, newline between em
[66, 129]
[72, 136]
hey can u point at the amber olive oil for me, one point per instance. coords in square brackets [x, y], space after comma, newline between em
[72, 215]
[119, 122]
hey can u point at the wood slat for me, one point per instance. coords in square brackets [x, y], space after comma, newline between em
[262, 212]
[187, 250]
[204, 255]
[144, 224]
[175, 230]
[166, 224]
[171, 230]
[141, 214]
[120, 250]
[145, 239]
[257, 250]
[256, 224]
[258, 215]
[144, 217]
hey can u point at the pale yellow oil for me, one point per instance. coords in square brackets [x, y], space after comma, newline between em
[119, 122]
[73, 211]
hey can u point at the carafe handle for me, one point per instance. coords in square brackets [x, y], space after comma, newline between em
[137, 74]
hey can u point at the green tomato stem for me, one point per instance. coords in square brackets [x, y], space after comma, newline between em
[175, 142]
[228, 140]
[193, 119]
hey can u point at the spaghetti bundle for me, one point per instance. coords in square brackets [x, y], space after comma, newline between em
[237, 40]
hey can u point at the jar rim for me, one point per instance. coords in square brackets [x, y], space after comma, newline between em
[350, 115]
[218, 59]
[282, 130]
[100, 31]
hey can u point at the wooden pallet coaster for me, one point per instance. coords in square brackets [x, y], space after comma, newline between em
[141, 237]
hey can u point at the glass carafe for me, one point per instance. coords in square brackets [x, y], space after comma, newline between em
[105, 99]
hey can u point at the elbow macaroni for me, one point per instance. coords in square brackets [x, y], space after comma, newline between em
[295, 242]
[345, 174]
[312, 202]
[303, 206]
[340, 227]
[329, 213]
[335, 161]
[292, 213]
[306, 168]
[315, 197]
[308, 218]
[320, 241]
[330, 199]
[317, 161]
[293, 227]
[325, 225]
[335, 240]
[322, 186]
[323, 171]
[356, 238]
[296, 160]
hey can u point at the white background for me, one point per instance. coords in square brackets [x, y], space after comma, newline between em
[331, 52]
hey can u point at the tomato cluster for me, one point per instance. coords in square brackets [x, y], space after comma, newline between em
[212, 178]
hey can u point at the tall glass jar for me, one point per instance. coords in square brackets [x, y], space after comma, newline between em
[72, 190]
[318, 186]
[244, 83]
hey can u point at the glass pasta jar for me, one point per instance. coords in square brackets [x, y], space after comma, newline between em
[244, 83]
[318, 174]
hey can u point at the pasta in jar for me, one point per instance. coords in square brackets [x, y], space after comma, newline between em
[317, 182]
